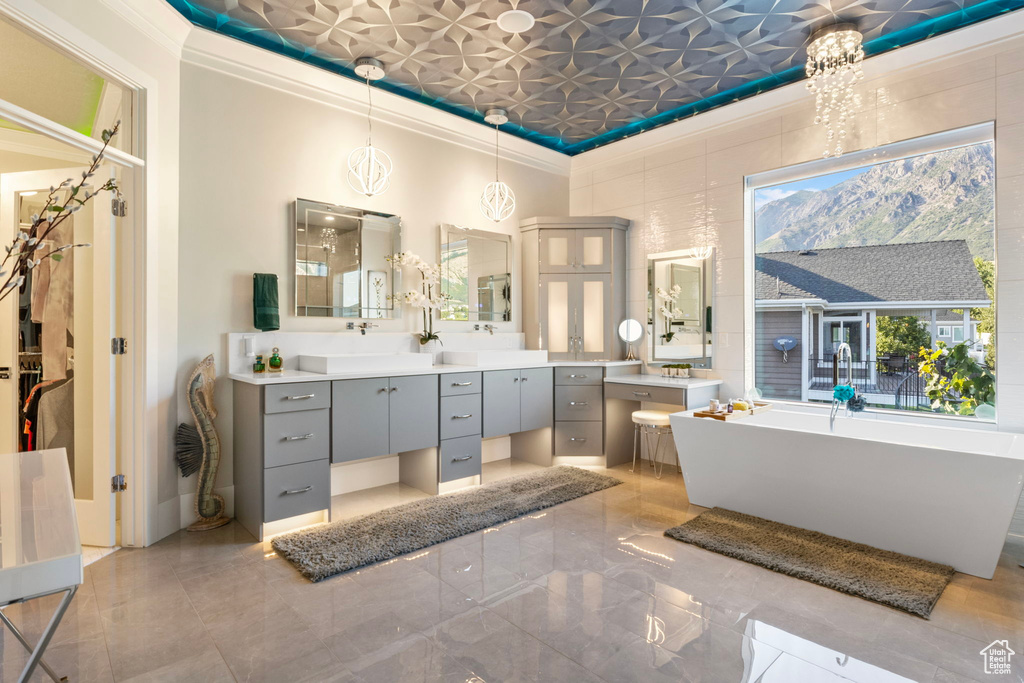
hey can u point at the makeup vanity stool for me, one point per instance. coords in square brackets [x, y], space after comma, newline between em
[648, 424]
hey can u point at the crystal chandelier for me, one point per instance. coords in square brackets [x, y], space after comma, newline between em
[498, 201]
[833, 67]
[329, 240]
[369, 168]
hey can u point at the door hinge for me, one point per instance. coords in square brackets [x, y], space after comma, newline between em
[117, 483]
[118, 346]
[118, 207]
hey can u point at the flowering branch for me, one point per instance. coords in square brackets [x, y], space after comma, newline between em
[64, 200]
[668, 309]
[428, 297]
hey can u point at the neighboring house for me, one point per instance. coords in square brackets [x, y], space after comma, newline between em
[823, 297]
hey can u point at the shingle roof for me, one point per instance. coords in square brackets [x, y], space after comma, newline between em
[923, 271]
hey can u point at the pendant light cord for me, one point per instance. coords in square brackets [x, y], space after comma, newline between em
[496, 153]
[369, 113]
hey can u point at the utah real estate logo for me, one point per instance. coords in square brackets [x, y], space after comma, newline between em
[997, 657]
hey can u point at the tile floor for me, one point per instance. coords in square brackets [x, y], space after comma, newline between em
[587, 591]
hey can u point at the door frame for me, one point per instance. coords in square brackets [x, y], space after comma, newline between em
[139, 502]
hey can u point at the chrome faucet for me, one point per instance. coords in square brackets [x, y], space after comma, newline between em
[489, 328]
[363, 327]
[836, 360]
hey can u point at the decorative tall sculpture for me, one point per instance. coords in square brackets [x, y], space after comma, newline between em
[198, 447]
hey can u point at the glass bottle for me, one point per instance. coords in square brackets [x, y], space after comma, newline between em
[275, 362]
[258, 368]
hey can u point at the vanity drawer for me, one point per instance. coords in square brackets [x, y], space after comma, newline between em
[289, 438]
[579, 375]
[460, 458]
[460, 383]
[579, 438]
[641, 392]
[460, 416]
[578, 403]
[287, 398]
[296, 489]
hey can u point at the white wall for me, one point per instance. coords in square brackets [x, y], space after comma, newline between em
[682, 186]
[248, 150]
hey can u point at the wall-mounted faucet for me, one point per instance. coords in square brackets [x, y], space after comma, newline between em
[363, 327]
[489, 328]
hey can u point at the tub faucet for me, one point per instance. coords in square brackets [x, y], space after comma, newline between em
[836, 360]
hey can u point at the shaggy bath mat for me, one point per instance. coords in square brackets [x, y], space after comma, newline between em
[900, 581]
[330, 549]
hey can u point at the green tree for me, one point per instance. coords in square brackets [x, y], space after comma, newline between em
[901, 335]
[957, 384]
[986, 317]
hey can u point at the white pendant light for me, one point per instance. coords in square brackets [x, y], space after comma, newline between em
[498, 201]
[369, 168]
[834, 60]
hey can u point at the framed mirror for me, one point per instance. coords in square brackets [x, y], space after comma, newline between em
[476, 275]
[341, 268]
[679, 315]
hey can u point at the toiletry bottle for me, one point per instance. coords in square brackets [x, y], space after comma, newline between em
[728, 407]
[258, 368]
[275, 362]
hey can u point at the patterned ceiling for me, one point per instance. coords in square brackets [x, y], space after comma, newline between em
[590, 71]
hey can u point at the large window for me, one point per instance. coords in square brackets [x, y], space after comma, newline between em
[891, 259]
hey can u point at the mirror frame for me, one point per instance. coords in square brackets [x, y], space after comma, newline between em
[391, 313]
[707, 296]
[447, 228]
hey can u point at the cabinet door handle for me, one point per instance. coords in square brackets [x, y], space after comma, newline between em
[525, 378]
[578, 403]
[641, 393]
[515, 379]
[384, 389]
[462, 384]
[577, 376]
[299, 438]
[292, 492]
[463, 458]
[299, 398]
[394, 388]
[462, 417]
[580, 439]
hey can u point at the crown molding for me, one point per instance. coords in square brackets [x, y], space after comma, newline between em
[155, 18]
[38, 145]
[962, 44]
[233, 57]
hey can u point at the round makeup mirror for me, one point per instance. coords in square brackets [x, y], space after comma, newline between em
[630, 332]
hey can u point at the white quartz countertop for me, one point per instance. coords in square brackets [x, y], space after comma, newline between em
[288, 376]
[660, 381]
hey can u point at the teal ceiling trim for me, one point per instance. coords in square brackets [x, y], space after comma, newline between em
[576, 98]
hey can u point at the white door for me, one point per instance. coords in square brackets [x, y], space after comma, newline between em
[89, 365]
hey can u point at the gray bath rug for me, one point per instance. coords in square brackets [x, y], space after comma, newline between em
[337, 547]
[900, 581]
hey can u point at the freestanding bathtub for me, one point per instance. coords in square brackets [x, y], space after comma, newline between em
[937, 492]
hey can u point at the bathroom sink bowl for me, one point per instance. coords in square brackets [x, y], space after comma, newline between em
[495, 357]
[330, 364]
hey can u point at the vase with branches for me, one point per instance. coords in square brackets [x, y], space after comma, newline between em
[428, 297]
[29, 248]
[668, 309]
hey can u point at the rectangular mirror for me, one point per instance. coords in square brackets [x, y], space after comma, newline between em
[679, 315]
[341, 268]
[476, 275]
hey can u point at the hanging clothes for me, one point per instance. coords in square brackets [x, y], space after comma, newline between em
[56, 419]
[58, 307]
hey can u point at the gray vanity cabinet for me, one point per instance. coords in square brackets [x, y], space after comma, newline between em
[380, 416]
[361, 419]
[517, 400]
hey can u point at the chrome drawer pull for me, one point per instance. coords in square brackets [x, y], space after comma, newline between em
[463, 458]
[299, 398]
[461, 417]
[573, 438]
[292, 492]
[641, 393]
[577, 376]
[299, 438]
[578, 403]
[462, 384]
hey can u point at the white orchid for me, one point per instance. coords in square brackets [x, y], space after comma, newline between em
[425, 298]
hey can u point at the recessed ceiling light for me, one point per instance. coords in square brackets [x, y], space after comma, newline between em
[329, 218]
[515, 21]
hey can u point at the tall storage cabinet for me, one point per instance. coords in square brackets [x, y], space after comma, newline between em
[574, 285]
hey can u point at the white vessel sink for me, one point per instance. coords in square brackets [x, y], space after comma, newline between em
[495, 357]
[330, 364]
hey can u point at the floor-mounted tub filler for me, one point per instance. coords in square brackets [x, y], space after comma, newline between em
[944, 494]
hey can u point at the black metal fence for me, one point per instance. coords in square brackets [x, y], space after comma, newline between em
[889, 376]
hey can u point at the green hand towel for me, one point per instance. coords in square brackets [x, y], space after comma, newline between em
[265, 313]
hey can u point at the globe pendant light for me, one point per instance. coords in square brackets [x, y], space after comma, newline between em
[498, 200]
[369, 168]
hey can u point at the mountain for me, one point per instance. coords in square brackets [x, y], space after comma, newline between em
[940, 196]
